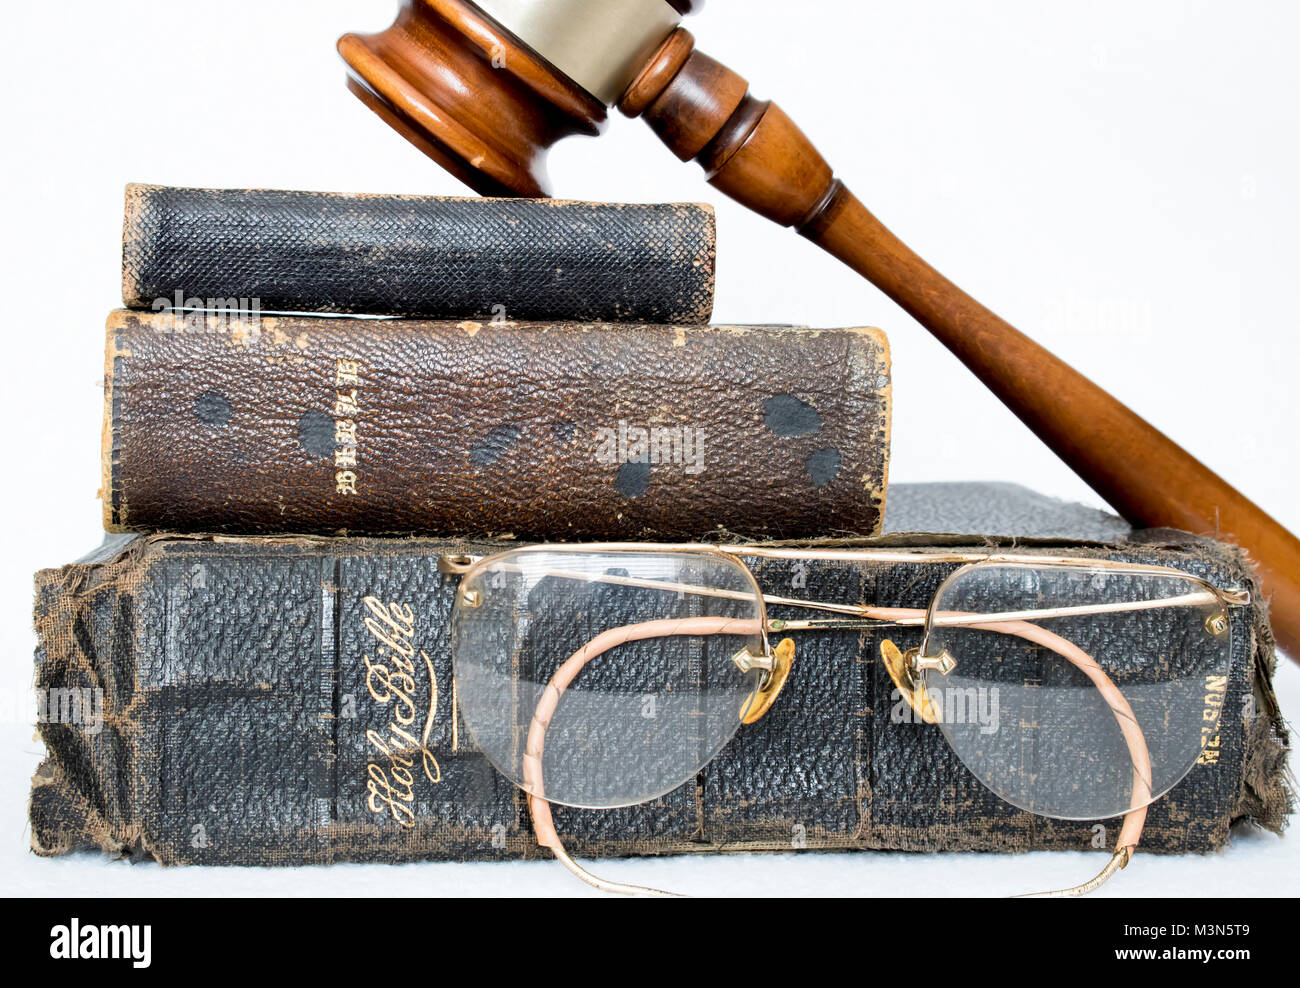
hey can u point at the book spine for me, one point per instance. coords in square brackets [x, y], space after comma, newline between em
[212, 702]
[431, 257]
[546, 430]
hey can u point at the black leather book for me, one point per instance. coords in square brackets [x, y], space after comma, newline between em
[224, 716]
[435, 257]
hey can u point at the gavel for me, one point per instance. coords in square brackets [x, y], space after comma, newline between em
[487, 88]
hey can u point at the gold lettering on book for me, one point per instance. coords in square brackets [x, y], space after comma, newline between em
[1216, 688]
[347, 409]
[393, 680]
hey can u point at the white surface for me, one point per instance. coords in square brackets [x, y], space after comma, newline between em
[1119, 179]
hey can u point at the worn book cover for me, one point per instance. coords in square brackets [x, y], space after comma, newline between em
[535, 430]
[428, 256]
[213, 700]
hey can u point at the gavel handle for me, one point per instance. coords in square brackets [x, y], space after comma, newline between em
[754, 153]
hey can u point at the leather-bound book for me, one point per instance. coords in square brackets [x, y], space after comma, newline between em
[440, 258]
[207, 701]
[537, 430]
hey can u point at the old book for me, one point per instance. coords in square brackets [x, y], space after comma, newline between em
[539, 430]
[206, 702]
[433, 257]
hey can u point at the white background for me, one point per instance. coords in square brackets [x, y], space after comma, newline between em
[1120, 178]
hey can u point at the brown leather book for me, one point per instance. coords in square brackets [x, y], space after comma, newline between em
[261, 425]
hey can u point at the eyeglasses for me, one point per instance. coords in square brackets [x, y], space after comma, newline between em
[605, 676]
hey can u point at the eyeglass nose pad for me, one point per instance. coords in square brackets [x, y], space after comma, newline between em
[761, 700]
[902, 670]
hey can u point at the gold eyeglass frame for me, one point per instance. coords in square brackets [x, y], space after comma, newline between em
[907, 670]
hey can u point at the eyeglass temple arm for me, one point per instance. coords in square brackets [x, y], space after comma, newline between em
[1131, 830]
[540, 809]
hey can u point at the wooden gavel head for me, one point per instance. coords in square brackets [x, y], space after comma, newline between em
[487, 88]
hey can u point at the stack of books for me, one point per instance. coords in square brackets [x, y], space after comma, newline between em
[311, 399]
